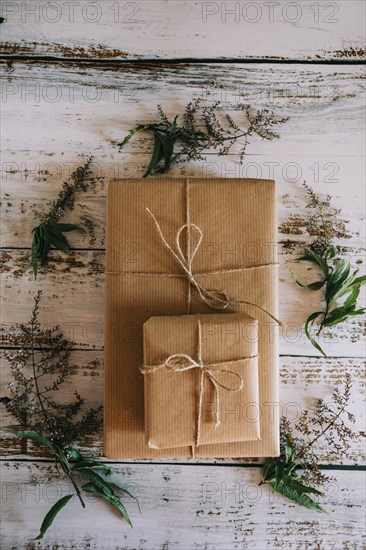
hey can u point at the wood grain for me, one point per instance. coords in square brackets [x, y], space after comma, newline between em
[89, 109]
[79, 303]
[201, 507]
[331, 160]
[302, 382]
[173, 29]
[55, 114]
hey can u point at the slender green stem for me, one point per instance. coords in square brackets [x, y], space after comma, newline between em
[325, 315]
[67, 470]
[78, 492]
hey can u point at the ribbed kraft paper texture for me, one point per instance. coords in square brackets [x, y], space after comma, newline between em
[173, 408]
[237, 218]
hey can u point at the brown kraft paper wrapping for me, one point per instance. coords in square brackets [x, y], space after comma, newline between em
[178, 410]
[143, 279]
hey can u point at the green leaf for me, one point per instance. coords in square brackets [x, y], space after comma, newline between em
[124, 490]
[335, 321]
[54, 229]
[353, 282]
[308, 324]
[173, 126]
[336, 280]
[347, 310]
[349, 305]
[292, 493]
[38, 438]
[74, 453]
[279, 471]
[62, 458]
[56, 237]
[96, 479]
[317, 285]
[331, 321]
[111, 498]
[332, 251]
[360, 280]
[315, 257]
[305, 258]
[351, 301]
[134, 131]
[347, 287]
[335, 313]
[45, 241]
[50, 516]
[341, 273]
[65, 227]
[34, 256]
[157, 156]
[40, 232]
[60, 245]
[289, 451]
[92, 464]
[295, 483]
[357, 312]
[167, 143]
[268, 469]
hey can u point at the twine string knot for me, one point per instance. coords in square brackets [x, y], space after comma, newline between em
[180, 362]
[215, 299]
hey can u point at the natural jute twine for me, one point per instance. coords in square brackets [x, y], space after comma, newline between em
[180, 362]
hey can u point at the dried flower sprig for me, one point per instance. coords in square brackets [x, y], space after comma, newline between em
[204, 127]
[338, 282]
[50, 232]
[296, 473]
[324, 221]
[39, 368]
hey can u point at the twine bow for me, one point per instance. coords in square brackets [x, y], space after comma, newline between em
[180, 362]
[216, 299]
[213, 298]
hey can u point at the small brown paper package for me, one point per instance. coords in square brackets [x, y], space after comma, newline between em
[200, 380]
[203, 246]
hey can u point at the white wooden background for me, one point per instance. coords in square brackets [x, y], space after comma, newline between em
[76, 77]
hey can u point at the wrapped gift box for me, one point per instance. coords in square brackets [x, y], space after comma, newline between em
[201, 380]
[231, 251]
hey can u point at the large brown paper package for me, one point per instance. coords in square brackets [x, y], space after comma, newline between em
[237, 255]
[200, 380]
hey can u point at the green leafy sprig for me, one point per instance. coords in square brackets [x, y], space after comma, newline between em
[340, 285]
[296, 474]
[75, 466]
[50, 232]
[39, 368]
[204, 127]
[281, 475]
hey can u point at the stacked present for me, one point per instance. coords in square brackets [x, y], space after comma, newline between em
[191, 328]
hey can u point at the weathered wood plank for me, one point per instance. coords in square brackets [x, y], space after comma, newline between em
[54, 113]
[92, 107]
[331, 160]
[76, 286]
[302, 382]
[31, 180]
[328, 150]
[184, 29]
[205, 508]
